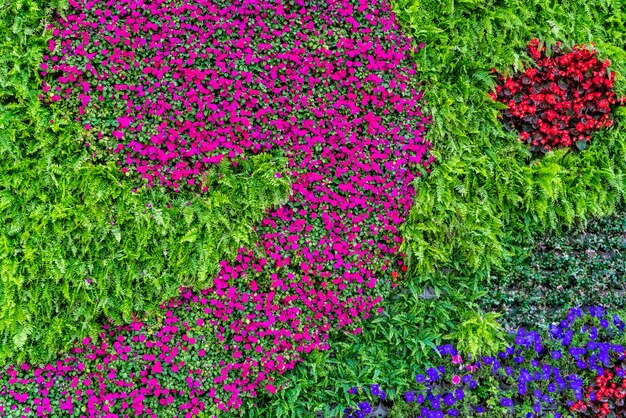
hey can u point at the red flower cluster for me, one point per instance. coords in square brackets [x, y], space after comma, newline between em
[605, 397]
[562, 101]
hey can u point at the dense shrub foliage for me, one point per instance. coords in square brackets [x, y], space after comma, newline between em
[344, 109]
[77, 245]
[559, 101]
[577, 267]
[536, 375]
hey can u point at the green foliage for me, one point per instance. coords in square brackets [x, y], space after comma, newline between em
[486, 196]
[480, 334]
[77, 245]
[581, 267]
[487, 192]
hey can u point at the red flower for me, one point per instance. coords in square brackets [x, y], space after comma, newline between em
[562, 101]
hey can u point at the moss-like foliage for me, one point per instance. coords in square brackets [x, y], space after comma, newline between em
[77, 244]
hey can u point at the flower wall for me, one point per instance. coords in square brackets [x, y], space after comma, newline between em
[171, 87]
[168, 89]
[333, 88]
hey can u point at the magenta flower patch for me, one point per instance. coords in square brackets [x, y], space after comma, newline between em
[172, 87]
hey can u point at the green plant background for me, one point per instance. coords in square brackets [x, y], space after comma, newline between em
[582, 267]
[488, 193]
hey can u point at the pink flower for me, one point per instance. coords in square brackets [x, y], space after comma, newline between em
[156, 368]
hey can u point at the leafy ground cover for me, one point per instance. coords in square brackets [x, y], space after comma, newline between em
[579, 267]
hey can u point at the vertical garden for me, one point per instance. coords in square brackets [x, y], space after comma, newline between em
[300, 209]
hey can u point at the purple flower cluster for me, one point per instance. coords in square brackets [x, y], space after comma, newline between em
[364, 408]
[175, 86]
[535, 373]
